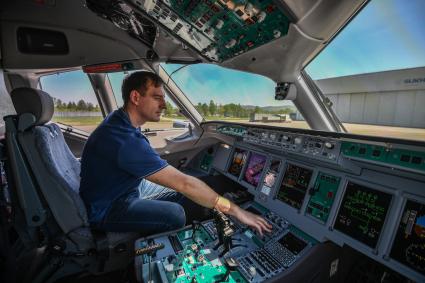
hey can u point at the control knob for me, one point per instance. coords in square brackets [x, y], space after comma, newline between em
[252, 271]
[298, 140]
[329, 145]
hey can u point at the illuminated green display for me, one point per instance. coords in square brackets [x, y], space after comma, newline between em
[232, 130]
[206, 162]
[390, 156]
[322, 196]
[197, 262]
[362, 213]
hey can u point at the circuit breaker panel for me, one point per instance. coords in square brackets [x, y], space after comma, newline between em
[220, 29]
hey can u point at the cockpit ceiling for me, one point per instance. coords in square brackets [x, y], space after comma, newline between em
[217, 29]
[274, 38]
[268, 37]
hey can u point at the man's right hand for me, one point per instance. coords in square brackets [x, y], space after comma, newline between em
[252, 220]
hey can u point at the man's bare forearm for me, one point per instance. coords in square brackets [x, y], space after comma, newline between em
[198, 191]
[191, 187]
[201, 193]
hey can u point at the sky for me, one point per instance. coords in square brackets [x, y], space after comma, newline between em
[69, 86]
[385, 35]
[205, 82]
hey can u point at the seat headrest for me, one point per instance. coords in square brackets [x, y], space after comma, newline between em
[34, 101]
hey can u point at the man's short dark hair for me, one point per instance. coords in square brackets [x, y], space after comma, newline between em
[138, 81]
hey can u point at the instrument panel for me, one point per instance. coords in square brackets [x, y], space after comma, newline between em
[359, 193]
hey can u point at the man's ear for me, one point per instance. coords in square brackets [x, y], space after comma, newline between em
[134, 97]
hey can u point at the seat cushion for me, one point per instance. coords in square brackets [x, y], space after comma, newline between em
[60, 163]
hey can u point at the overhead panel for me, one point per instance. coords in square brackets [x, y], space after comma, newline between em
[222, 29]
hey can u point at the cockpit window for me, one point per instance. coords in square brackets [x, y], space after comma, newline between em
[373, 72]
[75, 102]
[221, 94]
[6, 105]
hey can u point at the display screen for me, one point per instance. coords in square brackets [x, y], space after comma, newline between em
[238, 161]
[271, 176]
[409, 243]
[322, 196]
[294, 185]
[292, 243]
[254, 168]
[362, 213]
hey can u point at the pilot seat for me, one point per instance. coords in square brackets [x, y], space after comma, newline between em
[54, 238]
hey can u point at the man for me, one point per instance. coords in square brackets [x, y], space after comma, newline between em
[125, 184]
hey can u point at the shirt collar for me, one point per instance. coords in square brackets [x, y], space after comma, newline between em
[126, 118]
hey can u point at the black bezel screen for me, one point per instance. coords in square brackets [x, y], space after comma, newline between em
[254, 168]
[270, 177]
[238, 161]
[294, 185]
[409, 243]
[362, 213]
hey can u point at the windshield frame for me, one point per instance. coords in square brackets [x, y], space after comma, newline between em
[325, 103]
[179, 97]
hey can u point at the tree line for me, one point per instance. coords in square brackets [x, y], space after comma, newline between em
[211, 109]
[80, 105]
[236, 110]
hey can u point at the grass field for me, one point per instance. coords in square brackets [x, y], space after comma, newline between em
[78, 121]
[94, 121]
[88, 124]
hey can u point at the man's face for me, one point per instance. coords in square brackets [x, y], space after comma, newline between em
[151, 105]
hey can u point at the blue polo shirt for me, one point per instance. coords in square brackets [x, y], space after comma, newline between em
[116, 157]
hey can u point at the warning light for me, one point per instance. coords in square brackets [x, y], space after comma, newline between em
[50, 3]
[108, 68]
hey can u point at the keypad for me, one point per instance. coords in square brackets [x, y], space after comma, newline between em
[282, 254]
